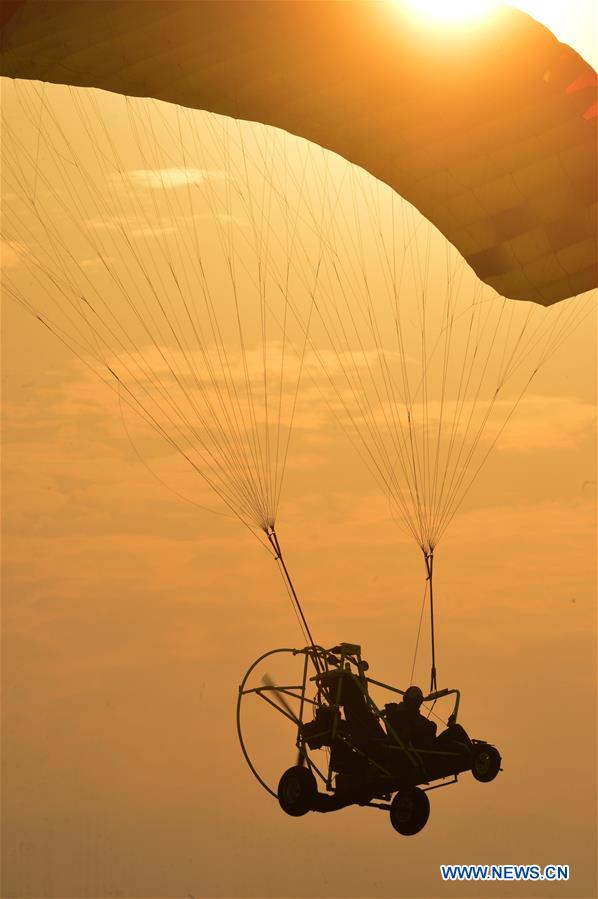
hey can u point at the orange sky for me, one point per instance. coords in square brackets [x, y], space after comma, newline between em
[130, 616]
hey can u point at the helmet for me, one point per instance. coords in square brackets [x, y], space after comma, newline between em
[414, 694]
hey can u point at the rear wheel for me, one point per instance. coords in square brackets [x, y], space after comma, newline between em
[409, 811]
[297, 791]
[486, 763]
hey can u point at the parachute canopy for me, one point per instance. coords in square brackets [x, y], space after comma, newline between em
[489, 132]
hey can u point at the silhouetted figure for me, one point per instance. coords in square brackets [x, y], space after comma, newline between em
[408, 723]
[363, 723]
[344, 688]
[352, 736]
[454, 737]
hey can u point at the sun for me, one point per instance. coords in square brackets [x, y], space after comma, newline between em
[452, 11]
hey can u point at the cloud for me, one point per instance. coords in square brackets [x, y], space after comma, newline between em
[106, 223]
[152, 231]
[548, 422]
[135, 226]
[226, 217]
[210, 428]
[534, 423]
[94, 261]
[12, 253]
[160, 179]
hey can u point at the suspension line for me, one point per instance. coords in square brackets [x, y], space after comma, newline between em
[429, 560]
[273, 540]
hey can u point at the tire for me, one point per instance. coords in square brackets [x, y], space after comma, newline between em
[409, 811]
[297, 791]
[486, 763]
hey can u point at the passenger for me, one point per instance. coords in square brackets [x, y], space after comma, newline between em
[351, 696]
[407, 722]
[454, 737]
[363, 723]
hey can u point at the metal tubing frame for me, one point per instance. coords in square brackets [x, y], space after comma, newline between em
[349, 656]
[307, 652]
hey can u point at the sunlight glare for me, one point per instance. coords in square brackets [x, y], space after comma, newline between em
[453, 11]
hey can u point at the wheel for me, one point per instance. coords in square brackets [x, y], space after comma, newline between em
[297, 791]
[409, 811]
[486, 763]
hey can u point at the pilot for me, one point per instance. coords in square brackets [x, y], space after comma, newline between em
[408, 723]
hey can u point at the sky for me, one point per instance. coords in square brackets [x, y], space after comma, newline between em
[130, 612]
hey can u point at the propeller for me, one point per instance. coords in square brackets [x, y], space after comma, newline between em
[268, 682]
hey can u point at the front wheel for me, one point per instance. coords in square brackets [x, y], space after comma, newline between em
[486, 763]
[297, 791]
[409, 811]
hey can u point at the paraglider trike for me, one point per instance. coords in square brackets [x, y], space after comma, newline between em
[367, 758]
